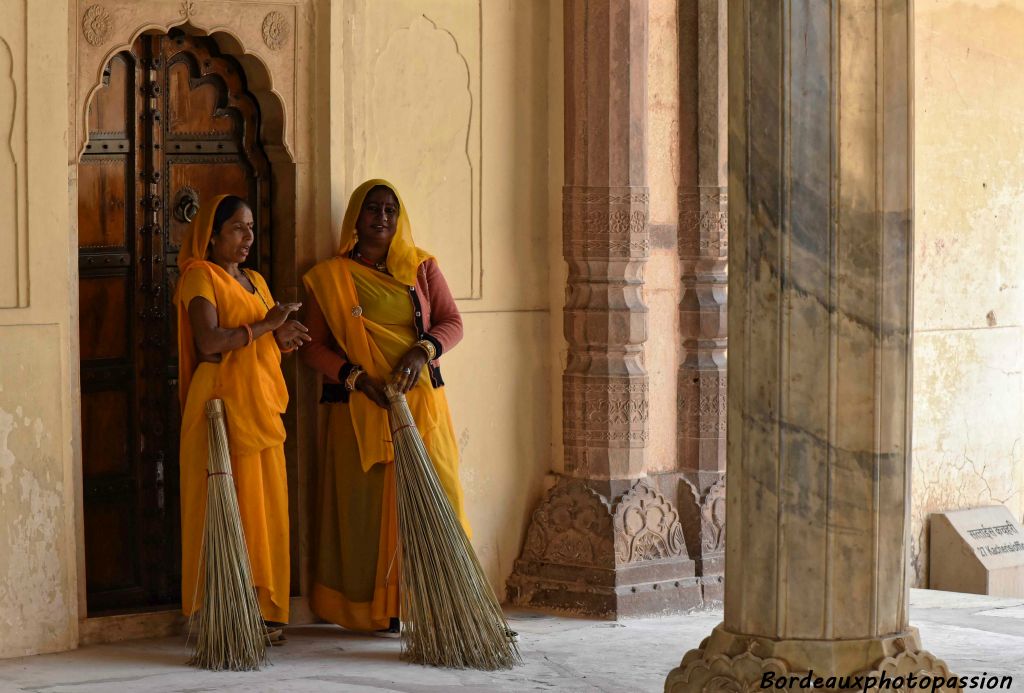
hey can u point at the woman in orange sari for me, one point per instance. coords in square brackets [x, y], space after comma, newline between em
[231, 334]
[380, 310]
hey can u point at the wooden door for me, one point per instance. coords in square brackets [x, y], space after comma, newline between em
[172, 125]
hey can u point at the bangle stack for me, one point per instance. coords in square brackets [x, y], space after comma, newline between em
[428, 347]
[350, 381]
[248, 332]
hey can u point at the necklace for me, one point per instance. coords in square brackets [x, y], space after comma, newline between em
[255, 288]
[381, 266]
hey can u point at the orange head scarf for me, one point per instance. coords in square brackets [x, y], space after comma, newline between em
[404, 257]
[197, 237]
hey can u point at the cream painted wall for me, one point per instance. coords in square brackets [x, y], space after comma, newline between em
[662, 288]
[450, 100]
[38, 579]
[968, 442]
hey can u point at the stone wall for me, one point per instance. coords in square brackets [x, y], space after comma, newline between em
[969, 249]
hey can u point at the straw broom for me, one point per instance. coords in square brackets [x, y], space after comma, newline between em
[450, 615]
[230, 630]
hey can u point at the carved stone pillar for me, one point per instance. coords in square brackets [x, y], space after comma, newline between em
[820, 278]
[604, 541]
[703, 259]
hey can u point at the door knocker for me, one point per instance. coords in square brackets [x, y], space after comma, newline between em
[186, 205]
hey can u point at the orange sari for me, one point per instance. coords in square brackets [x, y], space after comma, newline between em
[250, 382]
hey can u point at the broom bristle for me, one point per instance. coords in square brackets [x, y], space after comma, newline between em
[230, 634]
[450, 616]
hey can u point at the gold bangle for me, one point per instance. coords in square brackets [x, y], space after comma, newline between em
[350, 380]
[248, 332]
[428, 347]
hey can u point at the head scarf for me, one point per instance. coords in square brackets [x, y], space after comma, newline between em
[404, 257]
[197, 237]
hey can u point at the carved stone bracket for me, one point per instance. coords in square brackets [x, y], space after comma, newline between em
[646, 526]
[585, 554]
[572, 526]
[712, 516]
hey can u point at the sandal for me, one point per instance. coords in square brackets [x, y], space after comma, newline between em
[275, 637]
[394, 630]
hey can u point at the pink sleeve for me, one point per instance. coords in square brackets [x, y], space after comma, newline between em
[322, 353]
[445, 321]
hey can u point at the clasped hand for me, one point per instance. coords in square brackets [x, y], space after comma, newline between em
[403, 378]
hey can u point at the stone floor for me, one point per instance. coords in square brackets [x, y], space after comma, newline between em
[974, 635]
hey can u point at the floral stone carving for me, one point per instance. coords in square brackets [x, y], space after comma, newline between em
[96, 24]
[722, 674]
[275, 30]
[572, 526]
[712, 518]
[646, 526]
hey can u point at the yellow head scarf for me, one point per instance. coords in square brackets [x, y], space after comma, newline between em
[404, 257]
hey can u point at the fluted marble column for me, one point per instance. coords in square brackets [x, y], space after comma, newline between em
[605, 541]
[820, 279]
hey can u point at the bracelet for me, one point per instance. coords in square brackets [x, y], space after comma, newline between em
[428, 347]
[350, 381]
[288, 350]
[248, 332]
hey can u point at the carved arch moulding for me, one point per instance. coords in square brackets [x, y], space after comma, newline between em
[264, 37]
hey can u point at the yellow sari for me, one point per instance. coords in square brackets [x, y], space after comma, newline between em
[370, 315]
[250, 382]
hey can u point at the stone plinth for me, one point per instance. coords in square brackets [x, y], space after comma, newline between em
[819, 372]
[979, 550]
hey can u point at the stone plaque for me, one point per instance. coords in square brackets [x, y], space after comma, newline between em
[980, 550]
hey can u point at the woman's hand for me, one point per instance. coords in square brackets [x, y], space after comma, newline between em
[407, 371]
[291, 335]
[277, 315]
[372, 388]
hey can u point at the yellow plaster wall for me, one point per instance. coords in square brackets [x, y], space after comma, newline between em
[968, 306]
[661, 276]
[449, 99]
[38, 577]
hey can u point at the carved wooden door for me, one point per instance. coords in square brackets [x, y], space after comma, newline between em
[172, 125]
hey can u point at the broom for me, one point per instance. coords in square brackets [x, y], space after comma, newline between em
[230, 630]
[450, 616]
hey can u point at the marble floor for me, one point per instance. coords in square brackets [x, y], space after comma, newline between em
[973, 634]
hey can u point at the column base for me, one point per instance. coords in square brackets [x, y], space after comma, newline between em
[589, 555]
[739, 663]
[606, 593]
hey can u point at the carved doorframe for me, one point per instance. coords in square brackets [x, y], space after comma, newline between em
[274, 43]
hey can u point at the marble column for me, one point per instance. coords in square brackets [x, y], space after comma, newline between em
[703, 259]
[820, 279]
[605, 541]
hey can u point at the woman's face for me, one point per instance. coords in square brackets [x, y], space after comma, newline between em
[234, 240]
[378, 219]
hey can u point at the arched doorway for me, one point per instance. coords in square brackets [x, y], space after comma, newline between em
[172, 125]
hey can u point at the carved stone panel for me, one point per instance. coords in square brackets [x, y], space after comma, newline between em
[646, 527]
[712, 515]
[572, 526]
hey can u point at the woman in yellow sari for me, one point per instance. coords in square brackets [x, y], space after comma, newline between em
[231, 334]
[380, 310]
